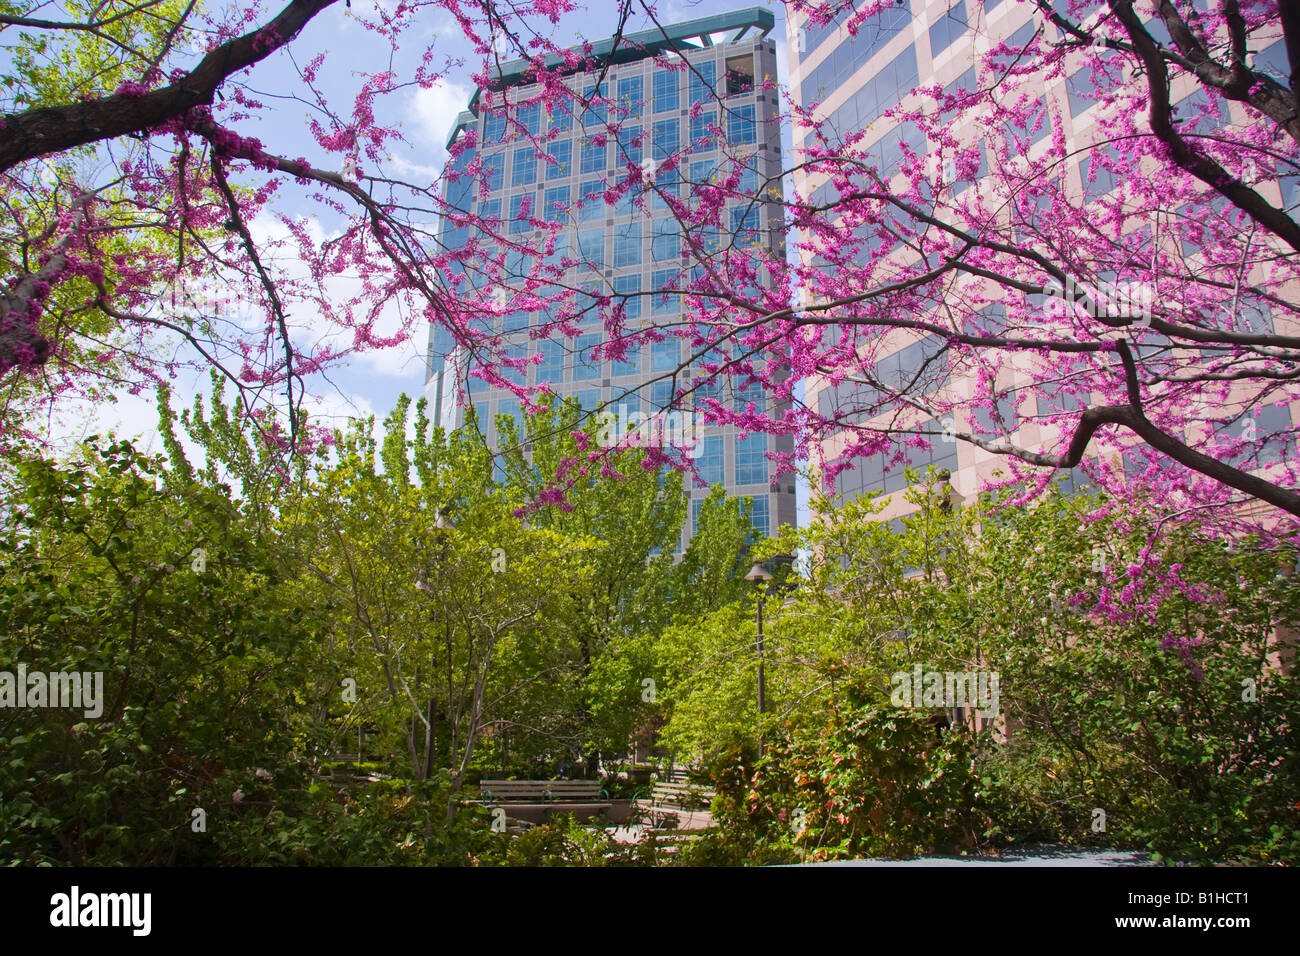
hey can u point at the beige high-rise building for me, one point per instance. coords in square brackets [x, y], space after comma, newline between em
[855, 79]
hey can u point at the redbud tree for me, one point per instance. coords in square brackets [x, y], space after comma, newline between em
[1118, 295]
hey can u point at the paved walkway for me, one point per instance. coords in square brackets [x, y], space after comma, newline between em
[691, 820]
[1022, 856]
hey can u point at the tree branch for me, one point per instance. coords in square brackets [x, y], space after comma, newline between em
[54, 129]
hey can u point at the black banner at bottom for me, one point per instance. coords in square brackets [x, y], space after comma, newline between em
[266, 905]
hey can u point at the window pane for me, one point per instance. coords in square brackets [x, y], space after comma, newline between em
[667, 302]
[740, 125]
[561, 113]
[530, 117]
[1080, 90]
[631, 93]
[556, 207]
[591, 247]
[495, 168]
[494, 127]
[665, 356]
[709, 462]
[627, 285]
[521, 208]
[665, 90]
[751, 460]
[586, 366]
[593, 201]
[551, 368]
[524, 168]
[666, 140]
[701, 138]
[759, 516]
[593, 154]
[704, 79]
[948, 28]
[562, 152]
[627, 245]
[666, 241]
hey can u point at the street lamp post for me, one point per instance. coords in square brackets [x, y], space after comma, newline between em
[760, 576]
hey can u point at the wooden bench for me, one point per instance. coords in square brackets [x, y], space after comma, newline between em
[534, 801]
[673, 800]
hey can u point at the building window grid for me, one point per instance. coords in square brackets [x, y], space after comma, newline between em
[710, 462]
[666, 141]
[592, 197]
[759, 515]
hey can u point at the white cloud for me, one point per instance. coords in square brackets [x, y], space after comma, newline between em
[334, 411]
[434, 111]
[125, 416]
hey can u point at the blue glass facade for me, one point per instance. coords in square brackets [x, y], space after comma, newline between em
[629, 247]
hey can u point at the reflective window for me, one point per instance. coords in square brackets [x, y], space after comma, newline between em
[948, 28]
[592, 197]
[551, 368]
[709, 462]
[666, 302]
[631, 94]
[562, 152]
[740, 125]
[704, 79]
[628, 285]
[666, 139]
[665, 356]
[894, 81]
[523, 170]
[627, 245]
[759, 516]
[593, 155]
[853, 52]
[556, 206]
[591, 247]
[494, 167]
[665, 90]
[751, 460]
[666, 241]
[701, 138]
[529, 117]
[521, 210]
[586, 365]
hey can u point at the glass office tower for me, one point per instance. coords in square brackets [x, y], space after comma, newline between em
[624, 248]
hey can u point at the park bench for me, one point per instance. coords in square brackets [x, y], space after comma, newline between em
[346, 770]
[534, 801]
[678, 803]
